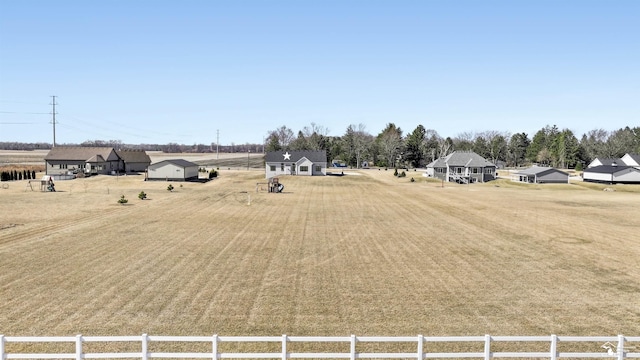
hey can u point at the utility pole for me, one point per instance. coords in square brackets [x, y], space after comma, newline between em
[53, 121]
[217, 144]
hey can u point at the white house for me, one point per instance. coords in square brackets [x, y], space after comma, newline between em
[631, 160]
[173, 170]
[305, 163]
[605, 161]
[610, 174]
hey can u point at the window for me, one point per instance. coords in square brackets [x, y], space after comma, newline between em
[475, 170]
[488, 170]
[281, 166]
[440, 170]
[304, 169]
[272, 168]
[318, 168]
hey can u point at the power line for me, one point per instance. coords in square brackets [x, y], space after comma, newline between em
[20, 112]
[53, 120]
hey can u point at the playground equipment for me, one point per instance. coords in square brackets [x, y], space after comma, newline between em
[273, 186]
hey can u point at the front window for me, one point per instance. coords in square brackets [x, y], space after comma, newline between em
[272, 168]
[304, 169]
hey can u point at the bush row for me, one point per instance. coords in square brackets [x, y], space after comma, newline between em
[17, 175]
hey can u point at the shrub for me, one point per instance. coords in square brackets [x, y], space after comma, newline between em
[213, 174]
[170, 187]
[395, 173]
[122, 200]
[142, 195]
[402, 174]
[413, 180]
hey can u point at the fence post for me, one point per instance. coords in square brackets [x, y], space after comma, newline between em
[621, 354]
[487, 347]
[145, 347]
[353, 348]
[420, 347]
[284, 347]
[2, 355]
[214, 346]
[79, 347]
[554, 347]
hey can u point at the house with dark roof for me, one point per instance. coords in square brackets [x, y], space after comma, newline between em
[134, 160]
[304, 163]
[605, 161]
[64, 160]
[173, 170]
[612, 174]
[631, 160]
[462, 167]
[541, 175]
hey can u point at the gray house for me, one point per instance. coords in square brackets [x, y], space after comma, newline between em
[64, 160]
[134, 160]
[306, 163]
[173, 170]
[541, 175]
[462, 167]
[612, 174]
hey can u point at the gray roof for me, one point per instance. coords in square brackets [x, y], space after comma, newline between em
[539, 170]
[316, 156]
[463, 159]
[607, 169]
[178, 162]
[134, 156]
[78, 153]
[609, 161]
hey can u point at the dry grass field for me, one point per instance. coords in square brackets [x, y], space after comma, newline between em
[365, 253]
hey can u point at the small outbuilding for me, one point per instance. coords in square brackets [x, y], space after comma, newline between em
[173, 170]
[612, 174]
[541, 175]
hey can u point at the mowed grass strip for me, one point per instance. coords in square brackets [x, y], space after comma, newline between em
[365, 253]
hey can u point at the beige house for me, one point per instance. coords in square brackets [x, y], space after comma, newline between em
[134, 160]
[67, 160]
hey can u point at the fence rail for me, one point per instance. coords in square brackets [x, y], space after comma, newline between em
[611, 347]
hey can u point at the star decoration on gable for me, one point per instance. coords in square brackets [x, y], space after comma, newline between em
[287, 156]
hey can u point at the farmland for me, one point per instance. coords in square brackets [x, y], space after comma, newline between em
[365, 253]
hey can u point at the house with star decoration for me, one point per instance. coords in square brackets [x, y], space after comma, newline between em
[302, 163]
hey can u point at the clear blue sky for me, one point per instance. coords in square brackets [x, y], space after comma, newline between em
[178, 71]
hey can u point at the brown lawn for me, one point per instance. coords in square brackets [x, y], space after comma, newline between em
[365, 254]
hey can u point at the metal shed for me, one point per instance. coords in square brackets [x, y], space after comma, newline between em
[173, 170]
[541, 175]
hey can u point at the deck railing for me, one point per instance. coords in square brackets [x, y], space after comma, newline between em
[352, 347]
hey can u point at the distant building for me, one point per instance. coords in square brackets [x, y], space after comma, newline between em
[612, 174]
[64, 160]
[304, 163]
[541, 175]
[462, 167]
[173, 170]
[605, 161]
[134, 160]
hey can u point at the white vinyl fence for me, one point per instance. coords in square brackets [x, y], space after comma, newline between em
[354, 347]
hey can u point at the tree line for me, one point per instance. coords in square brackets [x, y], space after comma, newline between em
[393, 148]
[549, 146]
